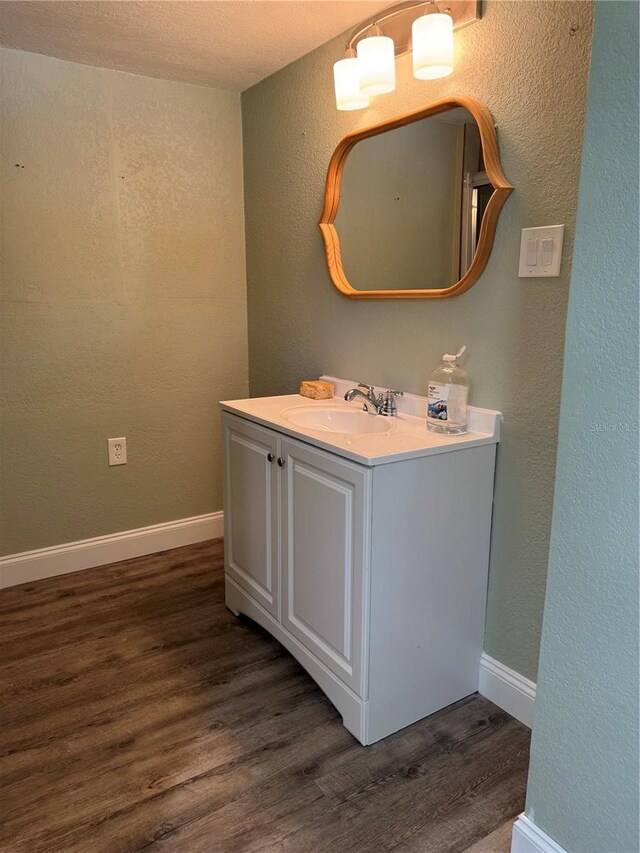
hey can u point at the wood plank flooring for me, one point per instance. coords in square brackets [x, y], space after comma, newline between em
[498, 842]
[137, 713]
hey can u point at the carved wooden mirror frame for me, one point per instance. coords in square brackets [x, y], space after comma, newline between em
[502, 190]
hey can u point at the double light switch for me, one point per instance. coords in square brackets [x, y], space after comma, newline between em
[541, 251]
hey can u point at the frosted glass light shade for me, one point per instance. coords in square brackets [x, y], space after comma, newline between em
[377, 58]
[346, 80]
[432, 46]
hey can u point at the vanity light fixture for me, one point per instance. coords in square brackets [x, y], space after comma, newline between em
[376, 58]
[424, 28]
[346, 79]
[432, 37]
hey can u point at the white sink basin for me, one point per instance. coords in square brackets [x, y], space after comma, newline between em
[338, 419]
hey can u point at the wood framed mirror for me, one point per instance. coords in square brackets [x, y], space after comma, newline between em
[411, 204]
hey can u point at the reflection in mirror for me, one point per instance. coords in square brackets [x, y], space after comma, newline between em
[411, 204]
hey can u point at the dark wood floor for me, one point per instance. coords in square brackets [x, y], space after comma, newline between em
[138, 714]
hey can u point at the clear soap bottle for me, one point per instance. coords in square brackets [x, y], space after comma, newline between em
[448, 397]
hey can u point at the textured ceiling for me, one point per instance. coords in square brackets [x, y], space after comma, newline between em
[231, 44]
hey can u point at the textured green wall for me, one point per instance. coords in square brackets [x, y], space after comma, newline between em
[583, 783]
[123, 297]
[528, 62]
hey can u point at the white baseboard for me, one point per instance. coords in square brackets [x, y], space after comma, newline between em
[528, 838]
[87, 553]
[507, 689]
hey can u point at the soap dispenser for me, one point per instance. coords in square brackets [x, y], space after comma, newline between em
[448, 397]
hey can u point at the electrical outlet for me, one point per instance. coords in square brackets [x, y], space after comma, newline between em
[117, 451]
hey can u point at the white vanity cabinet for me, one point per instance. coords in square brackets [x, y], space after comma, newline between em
[252, 493]
[295, 539]
[373, 576]
[324, 540]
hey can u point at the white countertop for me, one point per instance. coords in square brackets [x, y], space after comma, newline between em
[407, 436]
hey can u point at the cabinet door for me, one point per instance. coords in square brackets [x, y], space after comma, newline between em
[251, 510]
[325, 503]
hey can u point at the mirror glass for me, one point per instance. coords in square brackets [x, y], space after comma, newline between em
[411, 204]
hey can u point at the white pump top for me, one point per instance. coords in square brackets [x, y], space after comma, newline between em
[459, 354]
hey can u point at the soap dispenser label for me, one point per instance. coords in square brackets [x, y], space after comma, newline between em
[437, 401]
[447, 402]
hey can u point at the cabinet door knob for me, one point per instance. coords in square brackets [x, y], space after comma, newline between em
[281, 463]
[270, 457]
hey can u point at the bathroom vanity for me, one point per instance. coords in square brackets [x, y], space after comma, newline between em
[362, 544]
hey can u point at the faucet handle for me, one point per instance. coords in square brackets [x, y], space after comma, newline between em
[389, 404]
[365, 385]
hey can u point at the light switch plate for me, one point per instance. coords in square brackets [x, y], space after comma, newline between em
[540, 258]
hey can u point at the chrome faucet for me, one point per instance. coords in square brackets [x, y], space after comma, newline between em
[377, 404]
